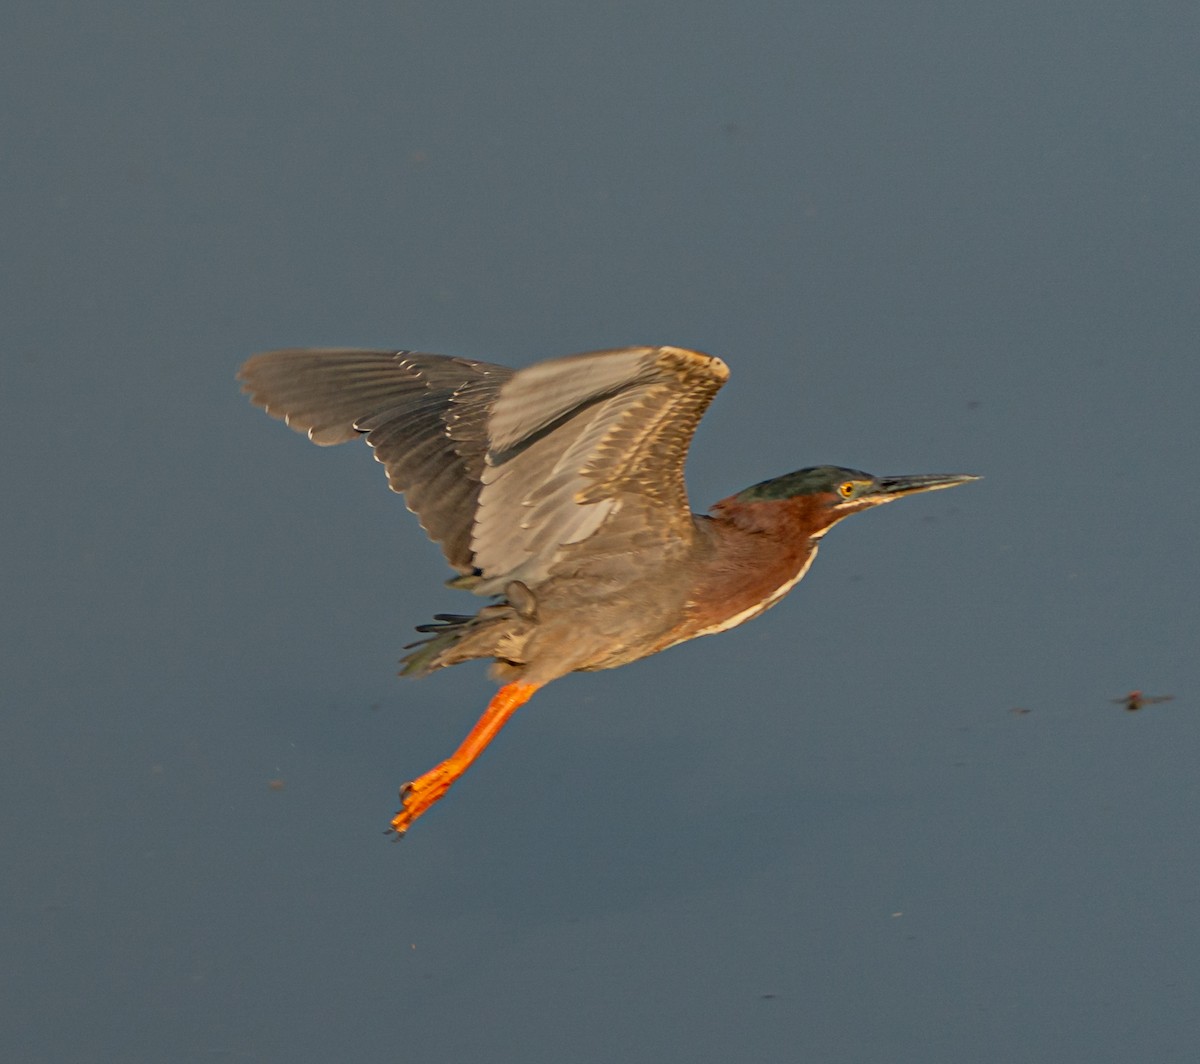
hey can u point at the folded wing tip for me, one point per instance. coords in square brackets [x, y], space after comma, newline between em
[687, 361]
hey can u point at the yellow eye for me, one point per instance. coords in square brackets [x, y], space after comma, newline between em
[846, 489]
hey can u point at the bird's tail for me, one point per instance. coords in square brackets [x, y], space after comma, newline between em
[455, 637]
[446, 630]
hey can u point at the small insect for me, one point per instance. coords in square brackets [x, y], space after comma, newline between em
[1135, 700]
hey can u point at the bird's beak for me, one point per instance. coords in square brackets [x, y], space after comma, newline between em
[893, 487]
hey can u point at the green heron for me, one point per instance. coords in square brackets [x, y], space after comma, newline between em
[558, 491]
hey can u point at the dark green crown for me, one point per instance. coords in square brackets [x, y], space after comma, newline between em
[815, 480]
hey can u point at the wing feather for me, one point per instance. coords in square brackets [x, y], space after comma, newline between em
[584, 442]
[512, 473]
[424, 415]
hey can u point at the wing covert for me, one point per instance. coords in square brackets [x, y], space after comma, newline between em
[588, 441]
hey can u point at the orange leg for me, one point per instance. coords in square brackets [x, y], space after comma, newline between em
[419, 794]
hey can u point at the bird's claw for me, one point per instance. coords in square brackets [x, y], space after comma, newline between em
[416, 796]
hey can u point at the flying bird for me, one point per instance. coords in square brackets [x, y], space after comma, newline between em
[557, 492]
[1135, 700]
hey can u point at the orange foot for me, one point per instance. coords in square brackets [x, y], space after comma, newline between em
[418, 795]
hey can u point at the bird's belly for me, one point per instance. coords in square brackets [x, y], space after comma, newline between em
[608, 631]
[602, 630]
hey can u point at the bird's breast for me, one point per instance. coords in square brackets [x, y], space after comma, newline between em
[738, 585]
[733, 619]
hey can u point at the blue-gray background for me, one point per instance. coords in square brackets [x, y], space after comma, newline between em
[927, 237]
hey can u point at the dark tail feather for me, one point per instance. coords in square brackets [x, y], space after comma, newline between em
[456, 637]
[422, 662]
[445, 633]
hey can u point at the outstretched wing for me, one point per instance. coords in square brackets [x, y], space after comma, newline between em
[425, 416]
[590, 444]
[509, 471]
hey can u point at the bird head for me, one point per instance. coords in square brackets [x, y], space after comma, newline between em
[820, 496]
